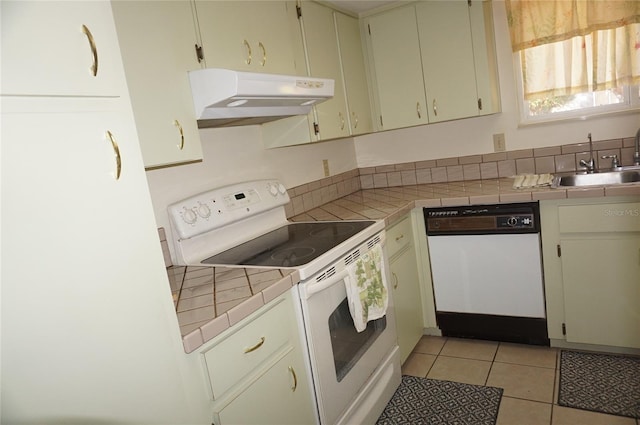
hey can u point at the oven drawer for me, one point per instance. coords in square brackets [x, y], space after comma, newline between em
[399, 235]
[244, 350]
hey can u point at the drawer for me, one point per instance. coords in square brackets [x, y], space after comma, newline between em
[241, 352]
[621, 217]
[399, 235]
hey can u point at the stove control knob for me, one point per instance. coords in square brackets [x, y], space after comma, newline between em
[189, 216]
[512, 221]
[204, 211]
[273, 189]
[282, 189]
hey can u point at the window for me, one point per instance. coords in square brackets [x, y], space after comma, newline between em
[575, 59]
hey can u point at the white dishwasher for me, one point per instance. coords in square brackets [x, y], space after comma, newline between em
[486, 269]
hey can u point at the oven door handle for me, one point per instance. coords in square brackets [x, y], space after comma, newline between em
[324, 284]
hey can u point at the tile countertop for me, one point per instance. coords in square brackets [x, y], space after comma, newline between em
[209, 300]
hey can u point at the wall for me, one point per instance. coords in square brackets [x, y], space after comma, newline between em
[475, 136]
[236, 154]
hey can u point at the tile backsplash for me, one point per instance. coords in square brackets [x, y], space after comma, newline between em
[554, 159]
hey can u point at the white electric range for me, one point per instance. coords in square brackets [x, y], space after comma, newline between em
[244, 225]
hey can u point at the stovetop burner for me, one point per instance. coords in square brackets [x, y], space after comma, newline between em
[292, 245]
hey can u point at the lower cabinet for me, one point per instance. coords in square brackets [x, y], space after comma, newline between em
[592, 271]
[276, 397]
[258, 369]
[405, 284]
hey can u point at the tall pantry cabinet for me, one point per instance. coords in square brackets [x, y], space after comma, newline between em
[88, 328]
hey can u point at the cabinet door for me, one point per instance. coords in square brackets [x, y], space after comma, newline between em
[157, 40]
[75, 53]
[321, 43]
[484, 53]
[353, 71]
[282, 395]
[398, 68]
[447, 59]
[78, 238]
[602, 290]
[254, 36]
[407, 300]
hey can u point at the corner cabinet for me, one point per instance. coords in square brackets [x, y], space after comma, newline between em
[158, 40]
[591, 253]
[432, 62]
[323, 59]
[258, 370]
[354, 74]
[405, 285]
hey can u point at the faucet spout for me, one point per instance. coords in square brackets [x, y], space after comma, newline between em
[636, 153]
[591, 164]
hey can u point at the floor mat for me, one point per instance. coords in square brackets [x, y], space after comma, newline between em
[605, 383]
[429, 401]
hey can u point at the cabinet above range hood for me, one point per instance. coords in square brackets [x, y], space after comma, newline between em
[226, 98]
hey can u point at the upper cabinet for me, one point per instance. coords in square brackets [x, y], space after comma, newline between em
[251, 36]
[432, 62]
[323, 58]
[80, 63]
[157, 61]
[354, 74]
[447, 51]
[396, 68]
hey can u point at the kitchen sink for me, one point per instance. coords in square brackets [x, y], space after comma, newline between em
[596, 179]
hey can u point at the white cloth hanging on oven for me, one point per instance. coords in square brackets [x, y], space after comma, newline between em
[366, 287]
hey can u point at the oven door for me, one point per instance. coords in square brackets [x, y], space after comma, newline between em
[343, 360]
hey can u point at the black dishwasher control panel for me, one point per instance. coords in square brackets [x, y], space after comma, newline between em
[483, 219]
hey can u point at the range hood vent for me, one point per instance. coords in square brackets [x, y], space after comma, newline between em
[226, 98]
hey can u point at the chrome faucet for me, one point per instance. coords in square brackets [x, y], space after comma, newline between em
[591, 164]
[636, 154]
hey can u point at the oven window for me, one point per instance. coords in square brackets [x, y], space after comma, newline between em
[348, 344]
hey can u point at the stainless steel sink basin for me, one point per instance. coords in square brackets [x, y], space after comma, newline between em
[596, 179]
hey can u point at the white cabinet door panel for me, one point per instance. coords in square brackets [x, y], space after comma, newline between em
[398, 69]
[52, 55]
[601, 278]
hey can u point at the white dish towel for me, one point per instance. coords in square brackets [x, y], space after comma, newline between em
[367, 288]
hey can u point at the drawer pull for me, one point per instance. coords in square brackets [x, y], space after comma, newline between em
[295, 379]
[255, 347]
[395, 277]
[399, 237]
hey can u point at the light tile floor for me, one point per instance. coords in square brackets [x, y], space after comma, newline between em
[528, 374]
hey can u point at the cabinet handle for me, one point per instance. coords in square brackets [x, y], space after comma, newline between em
[248, 60]
[116, 152]
[399, 237]
[295, 379]
[264, 54]
[177, 124]
[435, 108]
[341, 120]
[395, 277]
[255, 347]
[94, 50]
[355, 119]
[418, 110]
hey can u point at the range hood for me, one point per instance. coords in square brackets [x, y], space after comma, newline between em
[224, 98]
